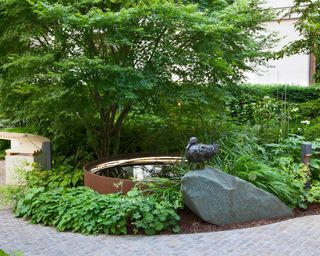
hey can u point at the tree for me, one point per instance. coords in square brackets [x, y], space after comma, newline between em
[95, 60]
[308, 25]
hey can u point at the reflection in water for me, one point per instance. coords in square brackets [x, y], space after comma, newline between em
[140, 172]
[140, 168]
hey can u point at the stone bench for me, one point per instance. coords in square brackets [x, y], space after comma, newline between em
[25, 150]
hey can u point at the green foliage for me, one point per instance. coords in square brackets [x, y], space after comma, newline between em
[61, 176]
[291, 93]
[259, 104]
[275, 167]
[287, 156]
[14, 253]
[270, 179]
[312, 131]
[313, 195]
[275, 111]
[3, 146]
[266, 110]
[236, 144]
[310, 109]
[8, 195]
[83, 210]
[3, 253]
[163, 189]
[87, 64]
[242, 156]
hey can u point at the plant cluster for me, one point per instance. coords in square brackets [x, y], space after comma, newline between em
[56, 197]
[273, 167]
[14, 253]
[83, 210]
[60, 176]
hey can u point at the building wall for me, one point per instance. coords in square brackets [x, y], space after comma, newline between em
[278, 3]
[289, 70]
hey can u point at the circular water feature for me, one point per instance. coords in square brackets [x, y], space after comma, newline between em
[118, 173]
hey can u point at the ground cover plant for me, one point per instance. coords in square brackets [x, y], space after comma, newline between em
[83, 210]
[58, 198]
[15, 253]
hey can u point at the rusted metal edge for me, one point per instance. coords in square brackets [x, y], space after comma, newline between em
[107, 185]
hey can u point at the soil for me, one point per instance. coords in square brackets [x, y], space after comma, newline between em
[191, 223]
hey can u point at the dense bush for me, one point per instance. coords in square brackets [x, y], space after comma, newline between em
[276, 181]
[61, 176]
[312, 130]
[274, 167]
[290, 93]
[56, 197]
[83, 210]
[276, 110]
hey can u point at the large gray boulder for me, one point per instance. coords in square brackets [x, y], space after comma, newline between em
[221, 199]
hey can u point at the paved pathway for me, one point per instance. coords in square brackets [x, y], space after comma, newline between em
[300, 236]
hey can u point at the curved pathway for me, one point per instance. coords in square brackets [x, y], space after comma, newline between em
[300, 236]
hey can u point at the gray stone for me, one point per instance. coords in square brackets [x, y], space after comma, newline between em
[221, 199]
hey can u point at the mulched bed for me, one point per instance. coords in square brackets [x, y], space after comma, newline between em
[191, 223]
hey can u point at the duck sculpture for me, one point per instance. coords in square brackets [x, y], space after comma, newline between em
[198, 152]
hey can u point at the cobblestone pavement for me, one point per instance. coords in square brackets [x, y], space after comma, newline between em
[300, 236]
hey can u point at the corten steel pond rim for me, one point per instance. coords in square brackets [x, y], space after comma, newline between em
[126, 160]
[107, 185]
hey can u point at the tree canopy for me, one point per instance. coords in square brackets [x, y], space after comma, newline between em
[95, 60]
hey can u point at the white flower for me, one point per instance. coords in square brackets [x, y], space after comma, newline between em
[294, 109]
[305, 122]
[299, 129]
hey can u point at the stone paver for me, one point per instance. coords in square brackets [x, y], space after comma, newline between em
[300, 236]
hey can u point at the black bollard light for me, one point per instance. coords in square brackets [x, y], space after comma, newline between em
[306, 153]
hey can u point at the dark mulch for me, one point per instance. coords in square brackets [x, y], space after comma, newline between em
[191, 223]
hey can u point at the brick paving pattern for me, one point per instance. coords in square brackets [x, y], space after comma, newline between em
[300, 236]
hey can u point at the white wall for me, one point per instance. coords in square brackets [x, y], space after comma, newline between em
[289, 70]
[278, 3]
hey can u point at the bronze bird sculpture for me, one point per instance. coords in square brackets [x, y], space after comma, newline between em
[198, 152]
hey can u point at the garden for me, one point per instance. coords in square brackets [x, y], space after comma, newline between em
[106, 78]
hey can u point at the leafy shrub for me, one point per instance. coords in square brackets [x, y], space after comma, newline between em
[273, 180]
[60, 176]
[264, 111]
[83, 210]
[14, 253]
[310, 109]
[8, 195]
[312, 131]
[287, 155]
[163, 189]
[291, 93]
[275, 168]
[236, 144]
[3, 253]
